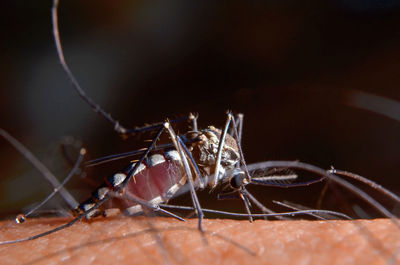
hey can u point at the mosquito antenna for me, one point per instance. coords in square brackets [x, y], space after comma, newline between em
[54, 14]
[40, 167]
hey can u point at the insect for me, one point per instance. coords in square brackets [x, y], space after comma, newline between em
[225, 168]
[212, 165]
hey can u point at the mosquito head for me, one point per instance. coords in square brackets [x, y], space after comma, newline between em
[205, 149]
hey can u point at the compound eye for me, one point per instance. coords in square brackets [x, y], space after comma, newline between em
[237, 179]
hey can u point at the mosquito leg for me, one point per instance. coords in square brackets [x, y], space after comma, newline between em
[132, 172]
[61, 227]
[117, 181]
[193, 164]
[22, 217]
[259, 205]
[239, 127]
[40, 167]
[230, 118]
[221, 144]
[177, 142]
[72, 173]
[193, 119]
[155, 126]
[246, 203]
[117, 127]
[90, 208]
[65, 143]
[143, 203]
[292, 207]
[237, 137]
[95, 107]
[195, 199]
[105, 159]
[326, 175]
[366, 181]
[288, 214]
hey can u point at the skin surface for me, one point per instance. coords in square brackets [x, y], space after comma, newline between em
[132, 241]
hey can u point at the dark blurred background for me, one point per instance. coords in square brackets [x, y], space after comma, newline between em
[289, 66]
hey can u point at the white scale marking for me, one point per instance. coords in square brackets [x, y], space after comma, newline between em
[155, 159]
[118, 178]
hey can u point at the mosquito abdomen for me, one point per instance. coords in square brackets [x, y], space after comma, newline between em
[156, 180]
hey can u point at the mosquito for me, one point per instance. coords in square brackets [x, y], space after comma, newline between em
[160, 176]
[201, 158]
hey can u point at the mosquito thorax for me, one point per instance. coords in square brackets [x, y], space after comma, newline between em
[205, 149]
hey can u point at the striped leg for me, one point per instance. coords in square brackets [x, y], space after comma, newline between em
[237, 136]
[179, 147]
[96, 205]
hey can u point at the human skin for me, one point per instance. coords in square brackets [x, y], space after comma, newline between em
[168, 241]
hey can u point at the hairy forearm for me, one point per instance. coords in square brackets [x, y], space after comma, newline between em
[168, 241]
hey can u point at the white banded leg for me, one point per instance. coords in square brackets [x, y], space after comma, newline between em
[185, 163]
[221, 144]
[243, 196]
